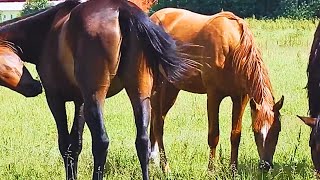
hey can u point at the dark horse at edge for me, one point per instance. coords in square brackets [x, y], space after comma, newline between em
[84, 52]
[313, 88]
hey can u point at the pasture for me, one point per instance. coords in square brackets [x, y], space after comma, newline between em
[28, 137]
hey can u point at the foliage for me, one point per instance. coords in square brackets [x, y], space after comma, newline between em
[294, 10]
[33, 6]
[297, 9]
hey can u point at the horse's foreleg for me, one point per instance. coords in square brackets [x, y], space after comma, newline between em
[239, 104]
[162, 101]
[58, 110]
[76, 135]
[213, 104]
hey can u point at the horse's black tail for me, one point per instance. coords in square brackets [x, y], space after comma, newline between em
[158, 47]
[313, 72]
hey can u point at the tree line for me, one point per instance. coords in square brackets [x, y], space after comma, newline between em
[296, 9]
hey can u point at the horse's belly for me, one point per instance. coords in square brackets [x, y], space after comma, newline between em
[193, 85]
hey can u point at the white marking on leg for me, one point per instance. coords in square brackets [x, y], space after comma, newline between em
[154, 153]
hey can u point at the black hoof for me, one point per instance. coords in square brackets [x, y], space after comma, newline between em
[265, 165]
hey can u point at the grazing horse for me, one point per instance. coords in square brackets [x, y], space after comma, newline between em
[313, 87]
[84, 52]
[232, 66]
[13, 74]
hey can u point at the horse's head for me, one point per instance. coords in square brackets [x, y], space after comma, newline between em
[314, 141]
[266, 126]
[14, 75]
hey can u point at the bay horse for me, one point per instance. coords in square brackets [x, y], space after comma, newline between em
[232, 66]
[313, 88]
[13, 74]
[84, 52]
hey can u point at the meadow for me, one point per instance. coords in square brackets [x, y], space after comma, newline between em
[28, 135]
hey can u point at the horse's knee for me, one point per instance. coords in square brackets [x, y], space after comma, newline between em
[213, 138]
[100, 146]
[235, 137]
[142, 140]
[158, 127]
[92, 111]
[77, 147]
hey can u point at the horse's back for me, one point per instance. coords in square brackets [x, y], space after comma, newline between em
[204, 30]
[180, 23]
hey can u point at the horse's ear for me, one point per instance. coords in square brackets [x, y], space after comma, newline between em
[253, 104]
[278, 105]
[308, 120]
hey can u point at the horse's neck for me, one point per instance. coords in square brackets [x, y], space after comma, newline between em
[29, 35]
[261, 91]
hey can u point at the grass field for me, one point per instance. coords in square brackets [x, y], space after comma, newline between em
[28, 136]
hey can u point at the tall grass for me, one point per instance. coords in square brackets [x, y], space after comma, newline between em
[28, 135]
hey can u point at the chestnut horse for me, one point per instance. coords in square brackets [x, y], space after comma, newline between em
[313, 88]
[232, 66]
[13, 74]
[145, 5]
[84, 52]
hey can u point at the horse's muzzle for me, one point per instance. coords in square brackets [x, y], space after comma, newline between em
[31, 90]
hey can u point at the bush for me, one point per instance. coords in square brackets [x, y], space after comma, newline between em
[296, 9]
[34, 6]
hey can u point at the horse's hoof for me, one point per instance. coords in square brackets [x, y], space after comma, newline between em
[211, 167]
[167, 169]
[233, 168]
[154, 158]
[265, 165]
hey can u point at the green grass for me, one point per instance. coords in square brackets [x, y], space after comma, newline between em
[28, 135]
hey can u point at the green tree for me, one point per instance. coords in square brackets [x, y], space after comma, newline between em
[298, 9]
[33, 6]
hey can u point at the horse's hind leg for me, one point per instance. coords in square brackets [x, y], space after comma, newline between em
[138, 85]
[239, 104]
[93, 77]
[94, 95]
[76, 136]
[163, 99]
[213, 103]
